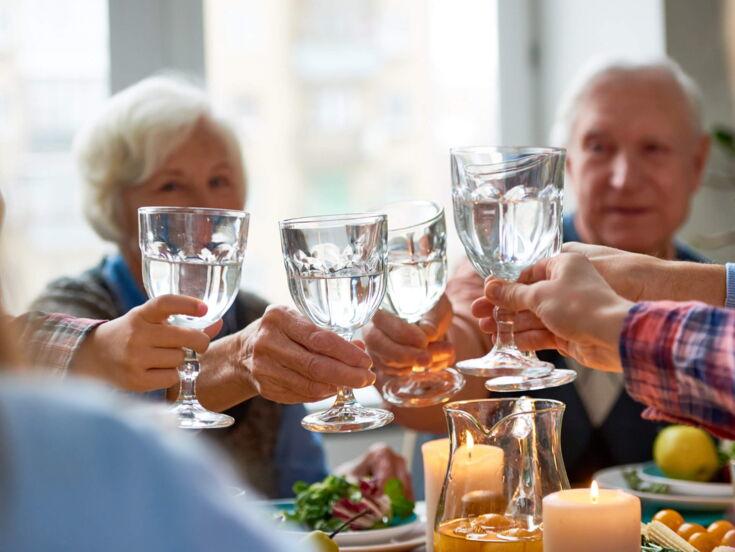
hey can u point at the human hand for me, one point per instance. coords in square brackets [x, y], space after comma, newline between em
[562, 303]
[381, 463]
[140, 351]
[397, 346]
[288, 359]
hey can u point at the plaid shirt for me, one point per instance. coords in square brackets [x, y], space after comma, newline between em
[679, 359]
[50, 340]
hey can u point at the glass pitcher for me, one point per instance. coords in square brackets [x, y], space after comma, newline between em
[505, 457]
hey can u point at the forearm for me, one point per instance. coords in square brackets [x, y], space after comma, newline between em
[679, 359]
[705, 283]
[223, 380]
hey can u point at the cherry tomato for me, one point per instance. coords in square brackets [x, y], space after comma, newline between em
[729, 538]
[702, 542]
[718, 529]
[686, 530]
[672, 518]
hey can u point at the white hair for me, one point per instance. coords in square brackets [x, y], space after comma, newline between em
[566, 114]
[133, 136]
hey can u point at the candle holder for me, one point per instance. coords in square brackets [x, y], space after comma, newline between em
[505, 456]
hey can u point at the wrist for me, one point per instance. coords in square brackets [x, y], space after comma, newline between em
[607, 324]
[698, 282]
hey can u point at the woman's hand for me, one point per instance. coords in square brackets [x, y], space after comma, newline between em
[140, 351]
[288, 359]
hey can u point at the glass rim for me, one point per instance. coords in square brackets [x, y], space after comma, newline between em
[436, 216]
[152, 209]
[319, 220]
[553, 404]
[549, 150]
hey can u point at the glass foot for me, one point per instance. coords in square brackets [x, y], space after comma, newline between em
[347, 419]
[516, 383]
[423, 389]
[505, 362]
[192, 415]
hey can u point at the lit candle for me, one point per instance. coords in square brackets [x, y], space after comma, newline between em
[604, 520]
[477, 480]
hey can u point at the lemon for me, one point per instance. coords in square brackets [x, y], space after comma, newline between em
[318, 541]
[684, 452]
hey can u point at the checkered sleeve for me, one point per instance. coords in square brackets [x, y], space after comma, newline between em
[50, 340]
[679, 359]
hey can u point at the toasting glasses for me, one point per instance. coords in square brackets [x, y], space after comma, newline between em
[336, 268]
[199, 253]
[417, 276]
[508, 212]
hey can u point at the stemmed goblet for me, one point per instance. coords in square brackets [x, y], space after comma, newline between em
[336, 268]
[199, 253]
[508, 213]
[417, 277]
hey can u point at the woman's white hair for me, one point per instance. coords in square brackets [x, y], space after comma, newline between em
[133, 136]
[566, 114]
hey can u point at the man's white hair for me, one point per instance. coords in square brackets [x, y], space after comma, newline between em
[566, 114]
[133, 136]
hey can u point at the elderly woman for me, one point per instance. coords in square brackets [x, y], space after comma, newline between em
[159, 143]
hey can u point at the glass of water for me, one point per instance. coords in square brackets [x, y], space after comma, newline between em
[417, 277]
[336, 268]
[508, 213]
[199, 253]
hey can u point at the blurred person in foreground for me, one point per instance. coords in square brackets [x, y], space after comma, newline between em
[159, 143]
[661, 323]
[83, 468]
[636, 154]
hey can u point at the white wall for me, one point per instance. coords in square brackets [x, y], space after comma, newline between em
[571, 32]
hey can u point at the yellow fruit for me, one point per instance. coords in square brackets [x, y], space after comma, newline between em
[671, 518]
[718, 529]
[702, 542]
[319, 541]
[684, 452]
[728, 539]
[686, 530]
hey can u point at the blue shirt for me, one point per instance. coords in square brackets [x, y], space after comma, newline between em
[299, 454]
[75, 475]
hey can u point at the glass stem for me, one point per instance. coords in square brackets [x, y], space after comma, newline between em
[188, 374]
[504, 319]
[345, 396]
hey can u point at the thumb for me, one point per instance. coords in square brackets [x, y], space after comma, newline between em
[511, 296]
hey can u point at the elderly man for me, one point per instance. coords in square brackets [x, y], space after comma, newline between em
[636, 155]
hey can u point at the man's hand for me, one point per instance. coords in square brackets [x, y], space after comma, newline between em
[381, 463]
[396, 346]
[287, 359]
[564, 304]
[140, 351]
[643, 278]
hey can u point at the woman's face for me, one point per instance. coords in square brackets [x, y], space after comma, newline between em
[199, 173]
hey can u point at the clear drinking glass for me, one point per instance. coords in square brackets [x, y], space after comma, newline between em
[199, 253]
[508, 213]
[417, 277]
[336, 268]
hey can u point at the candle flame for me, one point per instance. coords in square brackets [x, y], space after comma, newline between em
[594, 492]
[469, 439]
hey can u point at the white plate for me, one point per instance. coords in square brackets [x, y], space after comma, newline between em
[377, 536]
[683, 487]
[612, 478]
[413, 542]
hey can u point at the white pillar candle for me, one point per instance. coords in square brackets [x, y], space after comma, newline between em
[579, 520]
[436, 458]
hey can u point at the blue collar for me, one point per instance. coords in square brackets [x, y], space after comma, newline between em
[118, 276]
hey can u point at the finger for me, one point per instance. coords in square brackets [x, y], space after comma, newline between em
[359, 343]
[317, 340]
[214, 329]
[535, 340]
[174, 337]
[399, 330]
[283, 384]
[164, 358]
[438, 320]
[510, 295]
[160, 378]
[392, 354]
[482, 308]
[158, 309]
[317, 367]
[442, 351]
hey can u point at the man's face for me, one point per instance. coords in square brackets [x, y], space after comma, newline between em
[634, 160]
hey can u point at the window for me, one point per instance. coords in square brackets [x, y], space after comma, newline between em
[343, 106]
[53, 72]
